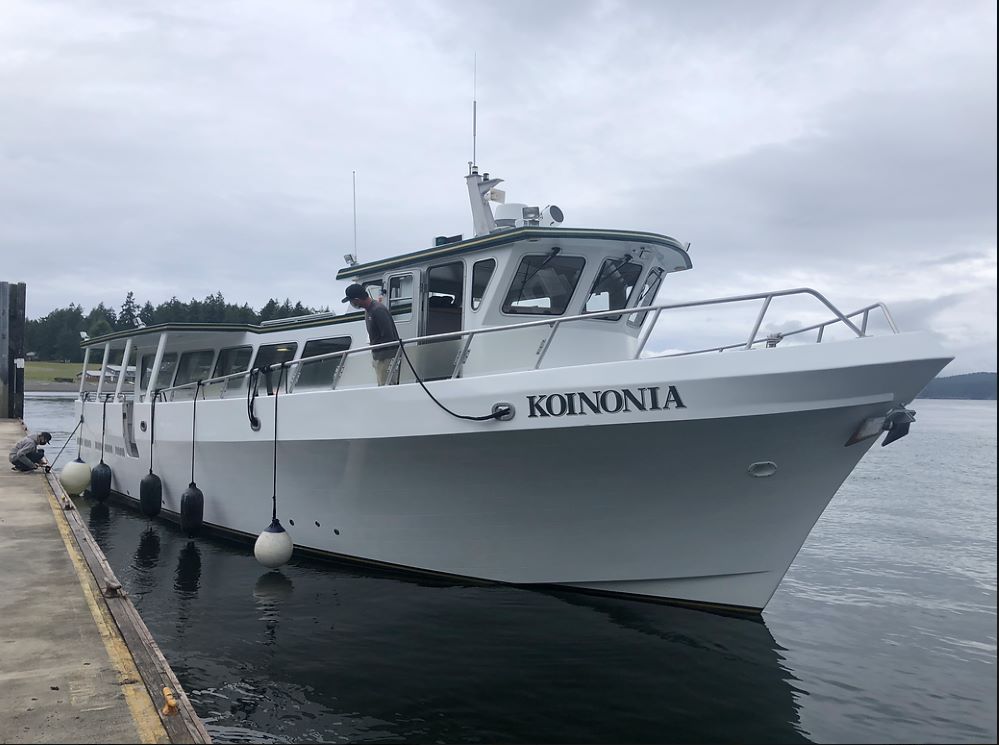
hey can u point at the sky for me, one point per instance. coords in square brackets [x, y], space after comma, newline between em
[185, 148]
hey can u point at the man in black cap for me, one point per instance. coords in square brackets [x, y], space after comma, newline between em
[381, 330]
[26, 455]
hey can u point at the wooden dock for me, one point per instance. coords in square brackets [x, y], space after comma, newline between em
[77, 663]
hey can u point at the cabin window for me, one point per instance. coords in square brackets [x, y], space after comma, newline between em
[543, 284]
[319, 374]
[375, 291]
[482, 272]
[400, 297]
[648, 296]
[165, 377]
[194, 366]
[274, 354]
[231, 361]
[445, 285]
[613, 286]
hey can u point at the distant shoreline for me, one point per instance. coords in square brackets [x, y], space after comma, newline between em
[42, 386]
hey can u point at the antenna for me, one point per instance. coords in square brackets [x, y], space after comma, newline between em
[353, 178]
[475, 64]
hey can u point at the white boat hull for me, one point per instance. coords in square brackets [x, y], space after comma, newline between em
[657, 503]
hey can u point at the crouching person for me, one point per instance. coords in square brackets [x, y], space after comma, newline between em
[26, 455]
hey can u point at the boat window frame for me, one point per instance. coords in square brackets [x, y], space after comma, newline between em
[232, 383]
[458, 298]
[600, 276]
[180, 360]
[471, 287]
[646, 298]
[160, 383]
[261, 347]
[413, 290]
[337, 361]
[507, 310]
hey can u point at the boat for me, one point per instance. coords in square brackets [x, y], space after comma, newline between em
[530, 433]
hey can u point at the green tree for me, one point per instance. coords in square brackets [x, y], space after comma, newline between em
[101, 320]
[128, 317]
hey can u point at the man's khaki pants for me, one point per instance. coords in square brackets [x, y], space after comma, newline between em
[382, 368]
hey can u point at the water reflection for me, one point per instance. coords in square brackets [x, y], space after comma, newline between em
[733, 664]
[187, 577]
[147, 555]
[271, 592]
[99, 520]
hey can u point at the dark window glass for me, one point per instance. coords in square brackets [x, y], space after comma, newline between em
[400, 297]
[273, 354]
[146, 369]
[165, 377]
[648, 296]
[194, 366]
[231, 361]
[319, 374]
[613, 286]
[444, 285]
[543, 285]
[482, 272]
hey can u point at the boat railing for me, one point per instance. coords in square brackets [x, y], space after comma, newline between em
[295, 367]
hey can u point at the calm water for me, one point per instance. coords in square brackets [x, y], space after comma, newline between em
[884, 629]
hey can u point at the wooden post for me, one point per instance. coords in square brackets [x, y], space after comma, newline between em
[12, 350]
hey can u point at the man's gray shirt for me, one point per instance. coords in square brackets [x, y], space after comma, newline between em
[381, 329]
[23, 447]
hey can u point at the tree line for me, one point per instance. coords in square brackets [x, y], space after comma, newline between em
[56, 336]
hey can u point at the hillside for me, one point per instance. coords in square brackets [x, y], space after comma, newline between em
[980, 385]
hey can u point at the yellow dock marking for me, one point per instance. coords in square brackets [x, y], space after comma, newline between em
[147, 722]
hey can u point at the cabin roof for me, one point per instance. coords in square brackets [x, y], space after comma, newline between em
[189, 329]
[507, 236]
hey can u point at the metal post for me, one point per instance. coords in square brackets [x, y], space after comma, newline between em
[759, 321]
[459, 362]
[83, 375]
[124, 368]
[104, 368]
[647, 332]
[155, 372]
[548, 343]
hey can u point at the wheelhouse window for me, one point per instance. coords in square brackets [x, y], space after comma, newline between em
[165, 376]
[482, 272]
[231, 361]
[400, 299]
[445, 287]
[613, 286]
[648, 296]
[194, 366]
[543, 284]
[274, 354]
[319, 373]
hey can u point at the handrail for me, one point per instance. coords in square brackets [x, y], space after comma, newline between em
[556, 323]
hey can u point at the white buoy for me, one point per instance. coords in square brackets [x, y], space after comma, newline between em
[274, 546]
[75, 477]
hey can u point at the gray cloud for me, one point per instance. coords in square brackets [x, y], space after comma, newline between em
[188, 148]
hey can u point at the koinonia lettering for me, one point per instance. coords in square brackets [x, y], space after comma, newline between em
[611, 401]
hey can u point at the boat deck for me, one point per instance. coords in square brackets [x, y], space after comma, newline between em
[77, 664]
